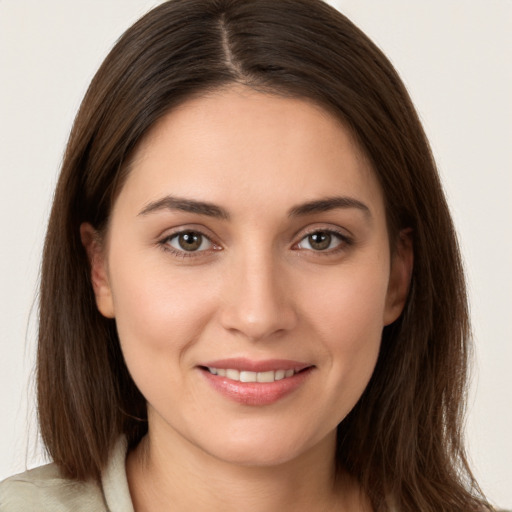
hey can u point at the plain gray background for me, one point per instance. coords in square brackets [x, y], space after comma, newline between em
[453, 56]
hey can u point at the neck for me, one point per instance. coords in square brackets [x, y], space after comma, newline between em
[168, 473]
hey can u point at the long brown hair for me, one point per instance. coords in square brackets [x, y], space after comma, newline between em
[403, 439]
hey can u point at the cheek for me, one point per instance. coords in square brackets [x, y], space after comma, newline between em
[159, 315]
[158, 323]
[350, 303]
[348, 320]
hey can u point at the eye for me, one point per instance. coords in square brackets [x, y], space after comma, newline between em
[189, 241]
[321, 241]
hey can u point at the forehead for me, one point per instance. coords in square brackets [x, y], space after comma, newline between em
[236, 145]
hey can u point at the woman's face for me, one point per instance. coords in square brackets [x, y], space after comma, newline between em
[249, 243]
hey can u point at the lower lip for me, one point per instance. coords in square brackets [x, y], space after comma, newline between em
[256, 393]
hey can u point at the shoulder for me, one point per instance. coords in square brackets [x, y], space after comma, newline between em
[44, 489]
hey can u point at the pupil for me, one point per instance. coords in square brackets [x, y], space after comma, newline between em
[190, 241]
[320, 240]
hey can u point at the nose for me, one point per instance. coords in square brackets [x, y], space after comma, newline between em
[257, 302]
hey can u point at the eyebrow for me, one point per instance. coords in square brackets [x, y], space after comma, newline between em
[212, 210]
[185, 205]
[327, 204]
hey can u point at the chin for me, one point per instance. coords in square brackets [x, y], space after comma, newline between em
[265, 448]
[256, 456]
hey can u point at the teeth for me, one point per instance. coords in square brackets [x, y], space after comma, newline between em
[265, 376]
[280, 374]
[246, 376]
[233, 374]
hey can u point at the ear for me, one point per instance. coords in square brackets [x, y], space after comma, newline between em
[400, 276]
[94, 247]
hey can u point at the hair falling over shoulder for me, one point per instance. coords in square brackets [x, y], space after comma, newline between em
[403, 441]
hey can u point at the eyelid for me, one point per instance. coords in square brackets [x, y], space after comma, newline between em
[325, 227]
[163, 241]
[346, 240]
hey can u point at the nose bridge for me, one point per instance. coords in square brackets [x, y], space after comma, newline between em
[257, 301]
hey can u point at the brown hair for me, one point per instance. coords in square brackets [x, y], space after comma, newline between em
[403, 439]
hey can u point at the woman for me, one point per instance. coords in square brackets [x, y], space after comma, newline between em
[251, 291]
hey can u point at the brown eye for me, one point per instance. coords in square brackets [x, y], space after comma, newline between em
[189, 241]
[321, 241]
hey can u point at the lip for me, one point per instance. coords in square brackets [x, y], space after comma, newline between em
[256, 393]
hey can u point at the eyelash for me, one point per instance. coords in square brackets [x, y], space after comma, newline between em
[344, 241]
[164, 244]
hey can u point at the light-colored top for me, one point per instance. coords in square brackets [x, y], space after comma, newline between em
[44, 489]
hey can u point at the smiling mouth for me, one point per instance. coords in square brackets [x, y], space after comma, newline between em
[248, 376]
[256, 383]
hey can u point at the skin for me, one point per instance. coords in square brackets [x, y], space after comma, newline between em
[257, 288]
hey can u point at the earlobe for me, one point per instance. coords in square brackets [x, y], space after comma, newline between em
[98, 269]
[400, 277]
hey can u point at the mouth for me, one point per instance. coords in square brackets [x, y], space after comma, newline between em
[256, 383]
[249, 376]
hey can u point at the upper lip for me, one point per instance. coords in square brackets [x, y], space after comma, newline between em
[243, 364]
